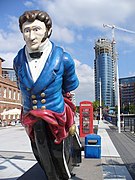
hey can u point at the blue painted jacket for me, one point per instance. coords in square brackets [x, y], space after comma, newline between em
[57, 77]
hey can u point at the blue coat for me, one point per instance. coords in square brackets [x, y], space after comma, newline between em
[57, 77]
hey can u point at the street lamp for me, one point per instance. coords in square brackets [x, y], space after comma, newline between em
[100, 100]
[118, 100]
[123, 107]
[129, 108]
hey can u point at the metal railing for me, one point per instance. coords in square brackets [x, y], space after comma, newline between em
[127, 122]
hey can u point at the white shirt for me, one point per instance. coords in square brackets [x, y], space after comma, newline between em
[37, 65]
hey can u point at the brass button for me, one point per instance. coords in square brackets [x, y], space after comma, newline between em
[28, 89]
[43, 107]
[33, 96]
[34, 107]
[34, 101]
[42, 94]
[43, 101]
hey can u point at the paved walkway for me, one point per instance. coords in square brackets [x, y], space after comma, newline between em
[112, 164]
[125, 144]
[17, 160]
[16, 156]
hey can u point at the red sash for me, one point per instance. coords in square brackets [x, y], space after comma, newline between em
[59, 123]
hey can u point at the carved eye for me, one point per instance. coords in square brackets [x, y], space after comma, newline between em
[36, 29]
[26, 30]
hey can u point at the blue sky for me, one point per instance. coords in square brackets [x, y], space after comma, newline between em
[77, 24]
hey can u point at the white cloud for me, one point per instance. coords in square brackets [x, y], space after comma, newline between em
[125, 52]
[28, 4]
[72, 15]
[126, 37]
[131, 74]
[8, 57]
[63, 34]
[11, 40]
[13, 23]
[79, 37]
[89, 13]
[85, 91]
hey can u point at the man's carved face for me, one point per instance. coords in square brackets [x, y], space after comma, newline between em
[33, 33]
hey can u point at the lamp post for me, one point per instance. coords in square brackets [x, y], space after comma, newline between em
[118, 102]
[100, 100]
[123, 106]
[129, 108]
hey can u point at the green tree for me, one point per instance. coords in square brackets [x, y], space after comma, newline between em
[77, 109]
[96, 105]
[132, 109]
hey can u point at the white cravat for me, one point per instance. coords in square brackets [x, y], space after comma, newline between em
[37, 65]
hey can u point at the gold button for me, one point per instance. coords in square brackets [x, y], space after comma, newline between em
[43, 107]
[34, 101]
[33, 96]
[43, 101]
[27, 89]
[42, 94]
[34, 107]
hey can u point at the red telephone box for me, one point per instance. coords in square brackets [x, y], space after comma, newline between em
[86, 118]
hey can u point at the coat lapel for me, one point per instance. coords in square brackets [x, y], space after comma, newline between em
[48, 74]
[26, 76]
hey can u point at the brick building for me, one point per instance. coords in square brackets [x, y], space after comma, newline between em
[10, 98]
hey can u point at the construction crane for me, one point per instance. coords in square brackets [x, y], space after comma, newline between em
[113, 27]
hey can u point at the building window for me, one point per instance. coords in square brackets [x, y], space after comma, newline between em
[14, 95]
[9, 95]
[18, 98]
[5, 93]
[0, 91]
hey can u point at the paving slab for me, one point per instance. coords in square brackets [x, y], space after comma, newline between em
[17, 160]
[89, 169]
[34, 173]
[13, 168]
[112, 163]
[116, 172]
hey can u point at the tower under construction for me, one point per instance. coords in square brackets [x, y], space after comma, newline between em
[105, 71]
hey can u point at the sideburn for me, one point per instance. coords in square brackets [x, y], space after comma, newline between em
[45, 36]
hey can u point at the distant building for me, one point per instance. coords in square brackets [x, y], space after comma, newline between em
[10, 97]
[105, 72]
[73, 97]
[8, 73]
[127, 91]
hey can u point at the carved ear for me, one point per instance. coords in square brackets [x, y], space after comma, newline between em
[23, 37]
